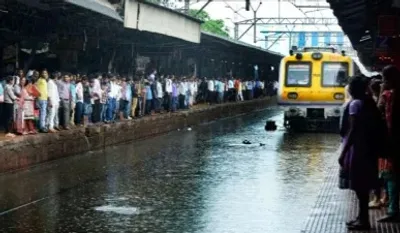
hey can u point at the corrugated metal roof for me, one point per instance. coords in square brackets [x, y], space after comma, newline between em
[97, 7]
[240, 43]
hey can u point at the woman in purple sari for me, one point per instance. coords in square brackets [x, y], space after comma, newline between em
[359, 156]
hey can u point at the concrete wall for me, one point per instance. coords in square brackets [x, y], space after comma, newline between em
[23, 152]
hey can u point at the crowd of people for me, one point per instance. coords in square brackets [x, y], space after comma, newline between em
[369, 158]
[47, 103]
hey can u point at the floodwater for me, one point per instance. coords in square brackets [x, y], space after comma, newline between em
[203, 180]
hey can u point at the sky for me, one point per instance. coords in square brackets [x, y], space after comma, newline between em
[234, 11]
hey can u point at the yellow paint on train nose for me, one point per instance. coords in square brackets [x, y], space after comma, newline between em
[313, 96]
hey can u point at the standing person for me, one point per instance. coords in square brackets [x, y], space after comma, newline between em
[103, 101]
[64, 91]
[53, 104]
[160, 95]
[19, 91]
[123, 102]
[9, 100]
[1, 102]
[388, 102]
[143, 93]
[112, 98]
[359, 156]
[231, 90]
[149, 97]
[210, 91]
[95, 93]
[29, 106]
[87, 101]
[135, 99]
[384, 164]
[129, 97]
[182, 93]
[174, 96]
[73, 99]
[79, 109]
[191, 92]
[43, 100]
[154, 102]
[168, 93]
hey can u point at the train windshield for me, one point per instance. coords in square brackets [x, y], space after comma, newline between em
[334, 74]
[298, 75]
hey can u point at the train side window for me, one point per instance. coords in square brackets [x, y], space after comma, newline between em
[298, 74]
[334, 74]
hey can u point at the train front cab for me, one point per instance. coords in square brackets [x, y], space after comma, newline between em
[310, 93]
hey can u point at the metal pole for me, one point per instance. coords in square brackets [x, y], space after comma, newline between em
[255, 26]
[279, 9]
[236, 31]
[186, 7]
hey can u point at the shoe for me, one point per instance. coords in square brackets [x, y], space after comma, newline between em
[351, 222]
[389, 218]
[359, 226]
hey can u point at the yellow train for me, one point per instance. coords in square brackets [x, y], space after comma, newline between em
[312, 88]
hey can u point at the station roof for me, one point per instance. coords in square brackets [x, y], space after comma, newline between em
[358, 19]
[238, 43]
[107, 10]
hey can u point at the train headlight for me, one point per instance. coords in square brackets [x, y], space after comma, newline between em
[316, 56]
[338, 96]
[299, 56]
[292, 95]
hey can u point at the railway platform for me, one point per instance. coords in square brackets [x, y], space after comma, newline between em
[334, 207]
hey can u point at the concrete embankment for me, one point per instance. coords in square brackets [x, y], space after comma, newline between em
[23, 152]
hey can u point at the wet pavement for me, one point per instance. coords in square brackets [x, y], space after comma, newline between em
[204, 180]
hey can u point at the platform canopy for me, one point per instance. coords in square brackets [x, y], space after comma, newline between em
[359, 20]
[145, 16]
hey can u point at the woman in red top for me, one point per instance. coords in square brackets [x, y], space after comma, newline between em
[384, 164]
[388, 171]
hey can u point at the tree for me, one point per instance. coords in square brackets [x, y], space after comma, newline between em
[215, 26]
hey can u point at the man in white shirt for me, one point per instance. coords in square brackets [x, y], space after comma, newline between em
[152, 76]
[160, 95]
[53, 104]
[112, 98]
[168, 91]
[96, 94]
[182, 94]
[79, 102]
[211, 91]
[231, 90]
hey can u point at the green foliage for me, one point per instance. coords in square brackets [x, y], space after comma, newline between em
[215, 26]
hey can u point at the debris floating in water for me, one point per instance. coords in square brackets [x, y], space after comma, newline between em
[189, 129]
[270, 126]
[246, 142]
[262, 144]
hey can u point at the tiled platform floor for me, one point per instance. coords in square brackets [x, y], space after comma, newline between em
[334, 207]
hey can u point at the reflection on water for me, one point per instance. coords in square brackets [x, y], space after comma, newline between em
[204, 180]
